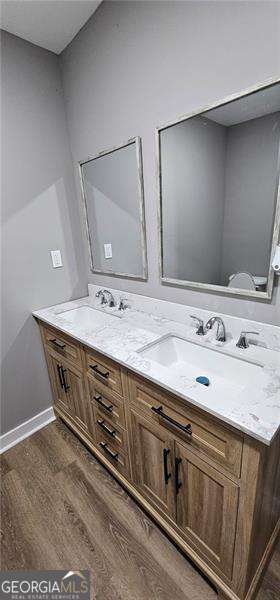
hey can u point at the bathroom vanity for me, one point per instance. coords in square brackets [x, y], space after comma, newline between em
[210, 480]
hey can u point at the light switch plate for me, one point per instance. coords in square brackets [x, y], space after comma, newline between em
[56, 259]
[108, 250]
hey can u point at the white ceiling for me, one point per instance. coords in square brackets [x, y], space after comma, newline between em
[263, 102]
[51, 24]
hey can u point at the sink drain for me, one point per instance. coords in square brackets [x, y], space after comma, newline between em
[203, 380]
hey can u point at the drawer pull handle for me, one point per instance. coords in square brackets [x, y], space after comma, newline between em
[114, 455]
[167, 475]
[178, 483]
[101, 424]
[60, 376]
[185, 428]
[98, 372]
[108, 407]
[57, 344]
[65, 386]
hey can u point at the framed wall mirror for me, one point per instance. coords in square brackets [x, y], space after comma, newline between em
[113, 199]
[219, 205]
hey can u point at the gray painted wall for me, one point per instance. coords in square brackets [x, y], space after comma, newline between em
[250, 184]
[138, 65]
[192, 182]
[39, 213]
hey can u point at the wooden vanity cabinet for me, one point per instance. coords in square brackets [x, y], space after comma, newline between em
[104, 371]
[153, 462]
[107, 403]
[59, 397]
[215, 442]
[207, 503]
[200, 500]
[62, 345]
[65, 367]
[68, 390]
[214, 490]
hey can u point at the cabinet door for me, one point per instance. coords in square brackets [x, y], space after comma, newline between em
[76, 397]
[68, 390]
[207, 503]
[153, 462]
[61, 399]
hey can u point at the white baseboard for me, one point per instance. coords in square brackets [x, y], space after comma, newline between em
[24, 430]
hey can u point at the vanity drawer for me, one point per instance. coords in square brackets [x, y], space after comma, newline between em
[110, 431]
[104, 371]
[107, 403]
[111, 451]
[217, 442]
[62, 345]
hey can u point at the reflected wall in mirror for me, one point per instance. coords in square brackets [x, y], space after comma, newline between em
[219, 195]
[113, 195]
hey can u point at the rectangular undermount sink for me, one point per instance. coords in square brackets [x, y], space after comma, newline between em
[193, 360]
[86, 317]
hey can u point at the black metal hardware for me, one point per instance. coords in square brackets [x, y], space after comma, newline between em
[178, 483]
[101, 424]
[108, 407]
[66, 387]
[57, 344]
[167, 475]
[185, 428]
[98, 372]
[114, 455]
[59, 375]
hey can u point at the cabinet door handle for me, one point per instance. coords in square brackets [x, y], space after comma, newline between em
[57, 344]
[60, 377]
[114, 455]
[167, 475]
[98, 372]
[185, 428]
[101, 424]
[178, 483]
[65, 386]
[108, 407]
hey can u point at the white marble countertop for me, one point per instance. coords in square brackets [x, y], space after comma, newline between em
[254, 410]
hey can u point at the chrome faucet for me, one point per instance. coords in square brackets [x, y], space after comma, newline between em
[221, 330]
[200, 325]
[243, 342]
[104, 300]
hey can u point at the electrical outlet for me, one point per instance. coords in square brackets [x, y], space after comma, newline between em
[108, 250]
[56, 259]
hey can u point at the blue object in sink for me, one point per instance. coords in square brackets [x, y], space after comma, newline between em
[203, 380]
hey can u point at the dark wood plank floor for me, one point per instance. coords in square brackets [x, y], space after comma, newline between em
[60, 509]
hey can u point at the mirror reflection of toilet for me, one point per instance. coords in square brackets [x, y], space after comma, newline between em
[247, 281]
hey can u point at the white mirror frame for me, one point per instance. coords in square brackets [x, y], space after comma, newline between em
[267, 295]
[137, 141]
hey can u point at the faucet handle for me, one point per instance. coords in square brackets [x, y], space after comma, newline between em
[243, 342]
[200, 325]
[106, 297]
[122, 304]
[100, 293]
